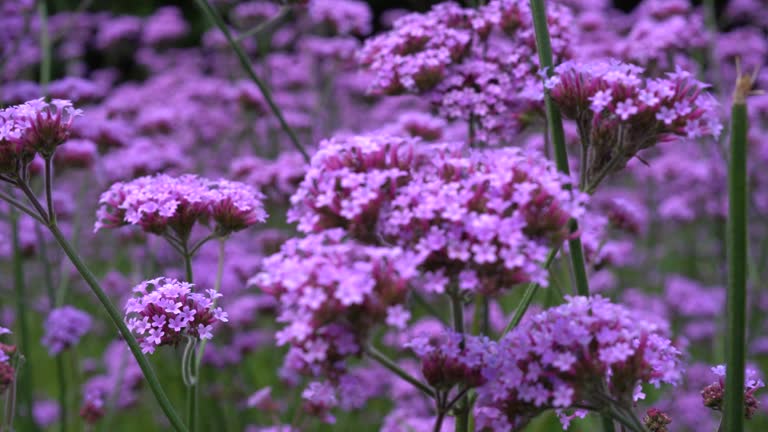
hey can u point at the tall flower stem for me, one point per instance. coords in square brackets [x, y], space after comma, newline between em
[188, 362]
[25, 375]
[45, 45]
[50, 290]
[217, 20]
[462, 410]
[555, 126]
[735, 339]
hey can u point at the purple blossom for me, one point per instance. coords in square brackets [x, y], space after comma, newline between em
[547, 360]
[64, 327]
[331, 292]
[164, 310]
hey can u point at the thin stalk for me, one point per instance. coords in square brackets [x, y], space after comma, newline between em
[608, 425]
[188, 362]
[60, 369]
[555, 123]
[117, 320]
[25, 376]
[189, 374]
[530, 291]
[45, 46]
[735, 340]
[20, 206]
[388, 363]
[248, 67]
[49, 189]
[462, 411]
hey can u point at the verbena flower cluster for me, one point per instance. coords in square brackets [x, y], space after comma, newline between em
[163, 203]
[619, 111]
[585, 353]
[714, 393]
[64, 328]
[477, 65]
[450, 359]
[164, 311]
[331, 293]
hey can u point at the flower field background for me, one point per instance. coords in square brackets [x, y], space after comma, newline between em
[338, 215]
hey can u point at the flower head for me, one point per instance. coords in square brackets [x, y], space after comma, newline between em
[331, 292]
[582, 353]
[64, 328]
[161, 203]
[165, 310]
[713, 395]
[42, 125]
[621, 112]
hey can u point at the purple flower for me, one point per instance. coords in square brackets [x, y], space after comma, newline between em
[547, 361]
[159, 204]
[173, 310]
[331, 293]
[626, 109]
[64, 327]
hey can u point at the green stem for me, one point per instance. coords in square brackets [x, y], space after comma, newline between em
[530, 291]
[62, 378]
[555, 123]
[26, 375]
[248, 67]
[189, 373]
[388, 363]
[462, 410]
[45, 46]
[608, 425]
[60, 368]
[117, 320]
[49, 189]
[735, 340]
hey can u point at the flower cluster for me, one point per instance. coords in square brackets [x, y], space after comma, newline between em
[619, 112]
[64, 328]
[713, 395]
[342, 17]
[166, 310]
[477, 65]
[584, 353]
[32, 127]
[161, 203]
[449, 359]
[348, 182]
[415, 55]
[656, 420]
[331, 293]
[487, 219]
